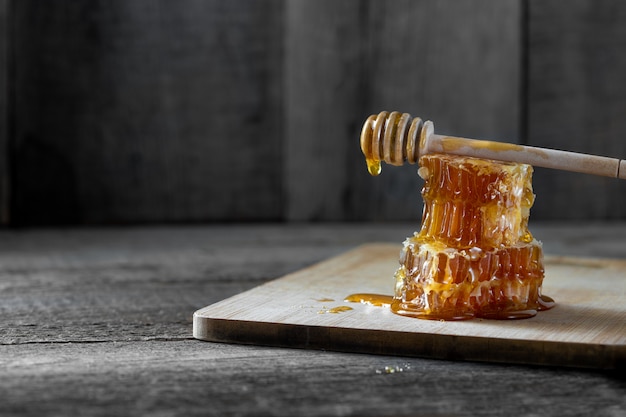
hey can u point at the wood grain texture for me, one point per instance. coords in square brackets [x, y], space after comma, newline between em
[147, 111]
[129, 113]
[137, 284]
[576, 101]
[179, 377]
[117, 337]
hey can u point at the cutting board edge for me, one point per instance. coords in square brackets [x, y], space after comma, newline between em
[410, 344]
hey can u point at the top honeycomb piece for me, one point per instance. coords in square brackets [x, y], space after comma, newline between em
[473, 202]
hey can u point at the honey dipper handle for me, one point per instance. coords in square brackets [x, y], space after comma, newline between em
[546, 158]
[398, 138]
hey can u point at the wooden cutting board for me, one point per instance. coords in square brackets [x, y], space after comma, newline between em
[587, 328]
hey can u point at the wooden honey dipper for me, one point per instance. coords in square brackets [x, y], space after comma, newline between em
[398, 138]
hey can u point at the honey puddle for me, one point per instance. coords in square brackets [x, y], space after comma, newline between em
[380, 300]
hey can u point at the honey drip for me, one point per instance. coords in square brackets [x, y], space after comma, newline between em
[392, 138]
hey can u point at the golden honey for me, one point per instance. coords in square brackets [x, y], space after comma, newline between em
[377, 300]
[474, 202]
[473, 255]
[335, 310]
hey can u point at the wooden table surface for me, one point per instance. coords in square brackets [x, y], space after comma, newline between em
[98, 322]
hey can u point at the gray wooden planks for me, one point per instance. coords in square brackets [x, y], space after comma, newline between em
[143, 283]
[118, 302]
[577, 101]
[136, 284]
[199, 378]
[126, 113]
[130, 113]
[147, 111]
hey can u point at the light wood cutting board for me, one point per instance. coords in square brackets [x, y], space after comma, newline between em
[587, 328]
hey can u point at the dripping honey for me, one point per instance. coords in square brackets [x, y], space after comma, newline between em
[390, 137]
[373, 166]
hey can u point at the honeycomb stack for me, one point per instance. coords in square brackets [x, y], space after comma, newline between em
[474, 255]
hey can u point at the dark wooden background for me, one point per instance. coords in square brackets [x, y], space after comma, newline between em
[119, 112]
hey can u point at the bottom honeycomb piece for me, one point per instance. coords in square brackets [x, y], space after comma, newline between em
[438, 282]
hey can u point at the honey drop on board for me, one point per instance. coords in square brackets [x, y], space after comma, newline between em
[335, 310]
[378, 300]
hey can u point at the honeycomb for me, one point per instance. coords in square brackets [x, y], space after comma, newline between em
[473, 255]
